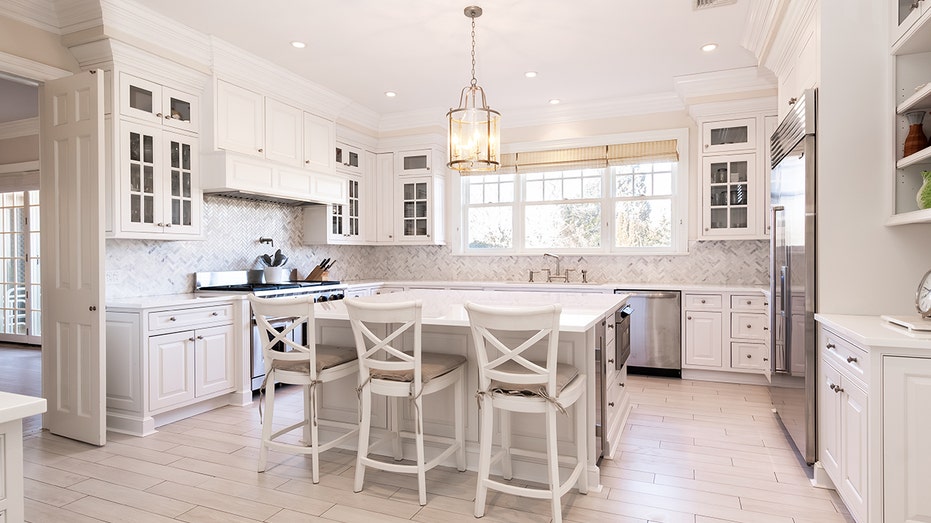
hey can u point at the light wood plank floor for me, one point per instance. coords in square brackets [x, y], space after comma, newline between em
[693, 452]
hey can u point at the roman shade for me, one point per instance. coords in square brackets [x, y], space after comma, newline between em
[589, 157]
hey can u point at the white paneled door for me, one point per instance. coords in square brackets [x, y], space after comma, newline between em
[72, 167]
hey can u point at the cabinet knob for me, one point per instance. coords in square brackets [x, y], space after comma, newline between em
[172, 319]
[706, 146]
[610, 403]
[749, 326]
[158, 114]
[92, 308]
[792, 100]
[167, 117]
[306, 161]
[765, 328]
[214, 313]
[703, 301]
[706, 229]
[832, 386]
[915, 5]
[749, 357]
[830, 346]
[200, 337]
[620, 384]
[610, 325]
[610, 361]
[261, 150]
[168, 224]
[838, 390]
[688, 317]
[190, 339]
[749, 302]
[391, 236]
[851, 359]
[765, 359]
[160, 224]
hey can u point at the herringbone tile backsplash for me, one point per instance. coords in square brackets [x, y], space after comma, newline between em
[233, 228]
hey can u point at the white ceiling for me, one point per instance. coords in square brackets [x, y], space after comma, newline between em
[586, 53]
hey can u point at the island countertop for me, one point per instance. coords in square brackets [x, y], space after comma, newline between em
[580, 312]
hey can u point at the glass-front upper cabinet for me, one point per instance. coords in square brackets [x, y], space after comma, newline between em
[730, 203]
[729, 136]
[415, 162]
[906, 13]
[348, 158]
[155, 103]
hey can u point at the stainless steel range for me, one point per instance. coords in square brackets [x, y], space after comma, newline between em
[238, 282]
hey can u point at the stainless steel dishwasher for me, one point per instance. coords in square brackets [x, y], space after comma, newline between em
[655, 332]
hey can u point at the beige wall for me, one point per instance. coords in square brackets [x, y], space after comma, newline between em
[19, 149]
[19, 39]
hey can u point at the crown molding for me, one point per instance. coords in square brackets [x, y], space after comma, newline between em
[30, 69]
[789, 36]
[133, 23]
[763, 20]
[734, 108]
[41, 14]
[78, 15]
[18, 128]
[727, 82]
[598, 110]
[128, 57]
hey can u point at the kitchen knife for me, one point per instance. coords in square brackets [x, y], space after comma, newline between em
[330, 265]
[323, 263]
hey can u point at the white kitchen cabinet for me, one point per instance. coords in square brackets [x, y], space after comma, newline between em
[729, 136]
[283, 133]
[15, 408]
[382, 205]
[730, 196]
[702, 339]
[240, 120]
[414, 162]
[158, 104]
[231, 172]
[156, 190]
[166, 363]
[843, 419]
[906, 395]
[903, 17]
[319, 143]
[348, 158]
[336, 223]
[420, 210]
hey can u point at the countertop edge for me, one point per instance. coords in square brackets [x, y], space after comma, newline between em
[874, 331]
[17, 406]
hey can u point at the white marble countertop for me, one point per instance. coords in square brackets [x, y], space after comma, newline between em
[445, 308]
[875, 332]
[16, 406]
[601, 287]
[170, 300]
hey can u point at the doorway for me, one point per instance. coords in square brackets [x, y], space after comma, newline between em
[20, 296]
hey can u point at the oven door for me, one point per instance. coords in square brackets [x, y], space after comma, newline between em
[258, 361]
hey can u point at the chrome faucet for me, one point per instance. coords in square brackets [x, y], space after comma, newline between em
[553, 256]
[557, 277]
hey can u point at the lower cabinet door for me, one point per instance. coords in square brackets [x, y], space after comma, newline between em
[703, 339]
[854, 437]
[906, 451]
[171, 369]
[829, 419]
[213, 360]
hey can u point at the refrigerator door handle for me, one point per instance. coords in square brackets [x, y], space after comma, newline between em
[776, 289]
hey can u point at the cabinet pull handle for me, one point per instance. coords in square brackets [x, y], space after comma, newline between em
[765, 328]
[851, 359]
[190, 339]
[838, 390]
[610, 403]
[792, 100]
[200, 337]
[620, 385]
[158, 114]
[172, 319]
[610, 361]
[610, 325]
[765, 359]
[830, 346]
[160, 224]
[167, 117]
[915, 5]
[92, 308]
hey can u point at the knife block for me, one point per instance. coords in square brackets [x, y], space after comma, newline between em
[318, 274]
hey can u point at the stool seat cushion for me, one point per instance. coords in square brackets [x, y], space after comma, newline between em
[565, 373]
[432, 365]
[327, 356]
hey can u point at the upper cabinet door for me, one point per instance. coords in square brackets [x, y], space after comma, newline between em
[283, 133]
[319, 143]
[158, 104]
[414, 162]
[729, 136]
[240, 120]
[348, 158]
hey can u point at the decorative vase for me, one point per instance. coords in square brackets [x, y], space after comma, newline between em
[924, 192]
[916, 140]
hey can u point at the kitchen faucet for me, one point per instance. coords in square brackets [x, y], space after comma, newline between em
[549, 276]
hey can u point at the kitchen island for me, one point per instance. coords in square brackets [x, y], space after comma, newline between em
[13, 408]
[446, 329]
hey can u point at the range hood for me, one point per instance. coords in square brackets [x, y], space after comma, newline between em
[235, 175]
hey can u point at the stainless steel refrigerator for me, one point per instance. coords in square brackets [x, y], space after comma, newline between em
[792, 274]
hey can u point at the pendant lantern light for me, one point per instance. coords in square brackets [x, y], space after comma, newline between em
[474, 139]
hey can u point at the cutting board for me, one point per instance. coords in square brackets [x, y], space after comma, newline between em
[913, 323]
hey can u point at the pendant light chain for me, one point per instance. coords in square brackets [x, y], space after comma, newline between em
[474, 81]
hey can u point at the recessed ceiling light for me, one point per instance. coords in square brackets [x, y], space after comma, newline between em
[709, 47]
[554, 101]
[390, 94]
[298, 45]
[531, 74]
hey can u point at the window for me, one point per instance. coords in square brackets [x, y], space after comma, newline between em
[625, 198]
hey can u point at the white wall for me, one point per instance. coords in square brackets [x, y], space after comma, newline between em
[863, 266]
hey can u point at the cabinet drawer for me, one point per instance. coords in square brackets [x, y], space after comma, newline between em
[186, 318]
[703, 301]
[751, 325]
[850, 359]
[748, 303]
[749, 356]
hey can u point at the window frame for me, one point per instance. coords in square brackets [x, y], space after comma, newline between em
[679, 211]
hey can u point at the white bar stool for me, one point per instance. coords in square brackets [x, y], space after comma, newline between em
[386, 370]
[310, 365]
[510, 382]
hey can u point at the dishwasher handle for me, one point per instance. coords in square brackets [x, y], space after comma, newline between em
[651, 295]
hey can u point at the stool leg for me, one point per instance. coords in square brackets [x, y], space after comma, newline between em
[506, 444]
[421, 460]
[394, 418]
[314, 435]
[552, 462]
[484, 455]
[581, 445]
[267, 418]
[460, 421]
[362, 450]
